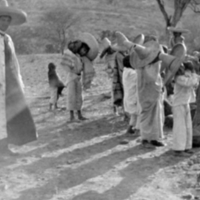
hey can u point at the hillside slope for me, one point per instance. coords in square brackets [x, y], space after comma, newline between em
[129, 16]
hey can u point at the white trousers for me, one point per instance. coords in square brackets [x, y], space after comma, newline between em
[133, 120]
[182, 128]
[3, 130]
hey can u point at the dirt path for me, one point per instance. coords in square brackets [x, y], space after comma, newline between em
[85, 161]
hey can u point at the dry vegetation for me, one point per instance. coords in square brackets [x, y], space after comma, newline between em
[129, 16]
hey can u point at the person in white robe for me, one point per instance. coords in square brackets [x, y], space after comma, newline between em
[16, 123]
[131, 106]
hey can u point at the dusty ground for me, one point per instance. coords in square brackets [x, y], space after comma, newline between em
[85, 161]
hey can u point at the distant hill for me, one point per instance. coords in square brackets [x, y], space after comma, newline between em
[129, 16]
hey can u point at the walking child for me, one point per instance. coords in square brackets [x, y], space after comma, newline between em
[56, 86]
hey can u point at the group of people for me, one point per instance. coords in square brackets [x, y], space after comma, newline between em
[153, 78]
[147, 77]
[145, 74]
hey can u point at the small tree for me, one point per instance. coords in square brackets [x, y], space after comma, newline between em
[23, 38]
[179, 8]
[56, 23]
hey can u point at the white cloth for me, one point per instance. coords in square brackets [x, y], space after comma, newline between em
[184, 92]
[53, 95]
[182, 128]
[129, 79]
[16, 71]
[88, 72]
[72, 66]
[74, 95]
[183, 95]
[2, 91]
[15, 67]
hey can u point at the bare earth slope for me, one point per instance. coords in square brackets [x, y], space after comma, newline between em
[85, 161]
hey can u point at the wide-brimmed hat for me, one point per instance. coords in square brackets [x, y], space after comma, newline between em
[173, 61]
[18, 16]
[91, 41]
[139, 39]
[147, 52]
[123, 43]
[179, 50]
[177, 29]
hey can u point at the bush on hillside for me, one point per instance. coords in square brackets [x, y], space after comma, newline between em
[25, 39]
[55, 23]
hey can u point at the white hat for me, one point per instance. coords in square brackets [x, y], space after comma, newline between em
[18, 16]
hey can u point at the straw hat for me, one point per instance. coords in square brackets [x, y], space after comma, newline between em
[179, 50]
[177, 29]
[173, 61]
[147, 52]
[123, 43]
[139, 39]
[18, 16]
[91, 41]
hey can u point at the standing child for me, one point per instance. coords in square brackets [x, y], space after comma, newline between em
[55, 84]
[129, 79]
[184, 94]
